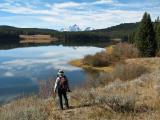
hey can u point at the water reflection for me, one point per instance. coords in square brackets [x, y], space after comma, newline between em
[22, 68]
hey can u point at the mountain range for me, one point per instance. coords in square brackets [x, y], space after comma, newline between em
[76, 28]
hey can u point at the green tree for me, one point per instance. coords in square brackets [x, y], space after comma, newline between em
[157, 33]
[131, 38]
[145, 37]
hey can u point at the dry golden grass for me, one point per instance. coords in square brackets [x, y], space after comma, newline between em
[109, 49]
[36, 39]
[141, 94]
[152, 63]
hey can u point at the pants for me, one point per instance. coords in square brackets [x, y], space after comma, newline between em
[64, 94]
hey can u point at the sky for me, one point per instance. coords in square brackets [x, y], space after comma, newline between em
[57, 14]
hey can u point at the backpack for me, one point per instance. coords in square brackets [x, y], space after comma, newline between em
[63, 83]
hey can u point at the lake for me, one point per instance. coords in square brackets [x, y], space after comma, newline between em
[21, 69]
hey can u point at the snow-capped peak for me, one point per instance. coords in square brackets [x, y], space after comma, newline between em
[89, 29]
[64, 29]
[76, 28]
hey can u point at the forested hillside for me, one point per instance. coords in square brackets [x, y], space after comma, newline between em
[9, 34]
[122, 31]
[28, 31]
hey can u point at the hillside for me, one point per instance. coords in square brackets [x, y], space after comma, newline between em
[11, 35]
[121, 31]
[16, 30]
[120, 27]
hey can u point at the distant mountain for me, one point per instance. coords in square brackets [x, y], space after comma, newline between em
[89, 29]
[76, 28]
[64, 29]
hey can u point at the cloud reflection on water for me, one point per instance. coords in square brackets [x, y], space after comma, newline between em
[40, 63]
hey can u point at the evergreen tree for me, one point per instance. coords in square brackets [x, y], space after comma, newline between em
[157, 32]
[145, 37]
[131, 38]
[156, 23]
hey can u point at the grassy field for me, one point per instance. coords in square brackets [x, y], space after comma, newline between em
[151, 63]
[36, 39]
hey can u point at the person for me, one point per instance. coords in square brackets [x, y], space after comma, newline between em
[61, 88]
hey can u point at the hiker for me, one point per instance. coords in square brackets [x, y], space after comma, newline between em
[61, 88]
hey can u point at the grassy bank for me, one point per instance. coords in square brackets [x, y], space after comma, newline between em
[106, 60]
[79, 63]
[108, 69]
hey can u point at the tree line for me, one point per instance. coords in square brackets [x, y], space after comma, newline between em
[10, 35]
[84, 37]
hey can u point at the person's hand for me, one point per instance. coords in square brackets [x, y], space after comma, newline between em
[54, 90]
[69, 90]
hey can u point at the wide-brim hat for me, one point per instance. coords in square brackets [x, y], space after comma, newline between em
[60, 72]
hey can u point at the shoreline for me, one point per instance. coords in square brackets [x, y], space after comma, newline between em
[107, 69]
[78, 63]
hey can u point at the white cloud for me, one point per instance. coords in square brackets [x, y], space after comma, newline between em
[19, 9]
[8, 74]
[82, 13]
[56, 59]
[50, 54]
[105, 17]
[103, 2]
[66, 5]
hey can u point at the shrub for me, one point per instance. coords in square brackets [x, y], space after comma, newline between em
[158, 54]
[128, 71]
[121, 103]
[119, 52]
[103, 79]
[88, 60]
[98, 60]
[116, 85]
[30, 114]
[123, 51]
[121, 71]
[30, 108]
[84, 97]
[46, 88]
[98, 79]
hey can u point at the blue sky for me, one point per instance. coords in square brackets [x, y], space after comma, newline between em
[55, 14]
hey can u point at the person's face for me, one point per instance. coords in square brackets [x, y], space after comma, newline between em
[61, 74]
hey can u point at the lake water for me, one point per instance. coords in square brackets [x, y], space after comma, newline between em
[21, 69]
